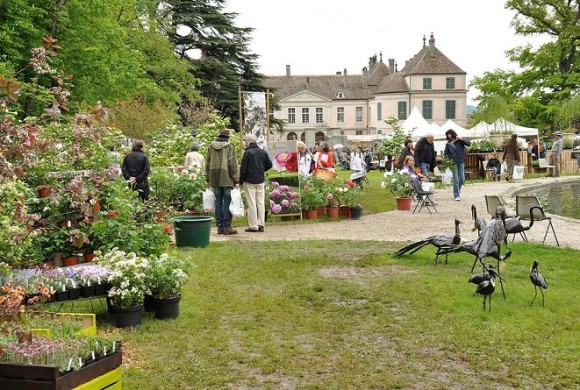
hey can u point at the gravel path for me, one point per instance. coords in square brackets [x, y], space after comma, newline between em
[403, 226]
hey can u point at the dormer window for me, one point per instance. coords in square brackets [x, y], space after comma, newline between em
[340, 95]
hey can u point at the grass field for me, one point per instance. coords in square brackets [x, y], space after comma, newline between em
[342, 314]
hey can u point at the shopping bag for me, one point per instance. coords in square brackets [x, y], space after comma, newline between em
[237, 204]
[208, 200]
[447, 176]
[518, 172]
[503, 170]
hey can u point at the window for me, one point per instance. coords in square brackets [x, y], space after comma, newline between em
[291, 115]
[449, 109]
[450, 83]
[379, 111]
[359, 116]
[426, 82]
[340, 114]
[402, 110]
[359, 132]
[305, 115]
[319, 117]
[340, 95]
[428, 109]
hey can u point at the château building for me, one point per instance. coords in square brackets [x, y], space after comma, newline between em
[331, 107]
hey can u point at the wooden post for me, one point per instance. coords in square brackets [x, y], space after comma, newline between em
[241, 118]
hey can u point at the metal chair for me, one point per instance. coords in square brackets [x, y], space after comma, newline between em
[524, 204]
[491, 202]
[423, 197]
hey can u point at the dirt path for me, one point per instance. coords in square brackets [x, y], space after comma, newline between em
[403, 226]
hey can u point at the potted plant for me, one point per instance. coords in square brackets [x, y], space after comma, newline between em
[128, 279]
[283, 200]
[399, 185]
[311, 200]
[167, 276]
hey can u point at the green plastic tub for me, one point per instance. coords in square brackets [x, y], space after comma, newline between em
[192, 231]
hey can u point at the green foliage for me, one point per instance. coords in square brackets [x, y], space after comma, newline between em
[398, 184]
[167, 276]
[168, 147]
[393, 145]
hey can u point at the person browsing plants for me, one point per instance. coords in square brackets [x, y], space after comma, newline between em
[255, 162]
[136, 169]
[221, 174]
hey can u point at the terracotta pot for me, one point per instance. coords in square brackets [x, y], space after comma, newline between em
[344, 211]
[332, 212]
[89, 257]
[71, 260]
[312, 214]
[404, 203]
[49, 263]
[44, 191]
[321, 211]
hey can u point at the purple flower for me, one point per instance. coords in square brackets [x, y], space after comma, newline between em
[275, 208]
[284, 203]
[275, 184]
[284, 188]
[275, 194]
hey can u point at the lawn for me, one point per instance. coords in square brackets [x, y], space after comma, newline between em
[343, 314]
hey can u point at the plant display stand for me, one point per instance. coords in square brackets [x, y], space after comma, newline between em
[33, 377]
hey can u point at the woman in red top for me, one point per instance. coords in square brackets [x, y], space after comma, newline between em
[325, 158]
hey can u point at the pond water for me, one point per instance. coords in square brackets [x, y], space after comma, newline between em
[560, 199]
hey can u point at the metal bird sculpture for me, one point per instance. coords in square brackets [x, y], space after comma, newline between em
[479, 223]
[538, 280]
[513, 225]
[487, 287]
[443, 243]
[489, 241]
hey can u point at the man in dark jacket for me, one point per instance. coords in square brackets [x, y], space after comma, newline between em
[255, 163]
[221, 173]
[425, 156]
[136, 169]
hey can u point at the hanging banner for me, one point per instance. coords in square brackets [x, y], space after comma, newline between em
[255, 116]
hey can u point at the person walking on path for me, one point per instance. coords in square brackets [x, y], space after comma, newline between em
[425, 156]
[255, 162]
[556, 154]
[194, 159]
[136, 168]
[455, 151]
[511, 156]
[221, 173]
[357, 164]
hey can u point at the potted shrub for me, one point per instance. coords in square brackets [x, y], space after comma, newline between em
[282, 199]
[128, 279]
[311, 199]
[167, 276]
[399, 185]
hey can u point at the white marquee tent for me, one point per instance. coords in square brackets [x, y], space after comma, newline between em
[483, 129]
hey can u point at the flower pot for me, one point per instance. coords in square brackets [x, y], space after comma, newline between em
[148, 305]
[312, 214]
[89, 257]
[404, 203]
[192, 231]
[321, 211]
[101, 288]
[74, 293]
[355, 212]
[166, 308]
[344, 211]
[45, 191]
[87, 291]
[70, 260]
[49, 263]
[61, 296]
[126, 317]
[332, 212]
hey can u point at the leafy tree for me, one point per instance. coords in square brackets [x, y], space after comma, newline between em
[393, 145]
[218, 51]
[550, 72]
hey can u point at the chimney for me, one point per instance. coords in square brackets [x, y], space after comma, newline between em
[392, 65]
[307, 82]
[344, 79]
[287, 70]
[338, 73]
[432, 46]
[365, 75]
[396, 67]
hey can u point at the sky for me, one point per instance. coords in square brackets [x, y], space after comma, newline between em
[321, 37]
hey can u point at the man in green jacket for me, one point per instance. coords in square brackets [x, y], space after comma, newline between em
[221, 173]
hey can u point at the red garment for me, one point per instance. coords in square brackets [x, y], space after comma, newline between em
[329, 163]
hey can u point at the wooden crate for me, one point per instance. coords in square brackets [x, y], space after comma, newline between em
[32, 377]
[110, 381]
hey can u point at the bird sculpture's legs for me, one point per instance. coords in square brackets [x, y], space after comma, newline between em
[542, 291]
[535, 295]
[489, 302]
[475, 261]
[484, 298]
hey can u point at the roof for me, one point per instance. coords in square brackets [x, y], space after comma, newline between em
[430, 60]
[327, 86]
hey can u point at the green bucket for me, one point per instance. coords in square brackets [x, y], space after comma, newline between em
[192, 231]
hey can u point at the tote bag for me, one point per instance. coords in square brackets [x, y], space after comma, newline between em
[518, 173]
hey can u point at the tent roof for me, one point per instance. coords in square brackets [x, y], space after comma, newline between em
[416, 124]
[483, 129]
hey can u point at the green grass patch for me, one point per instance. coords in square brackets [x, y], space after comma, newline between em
[341, 314]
